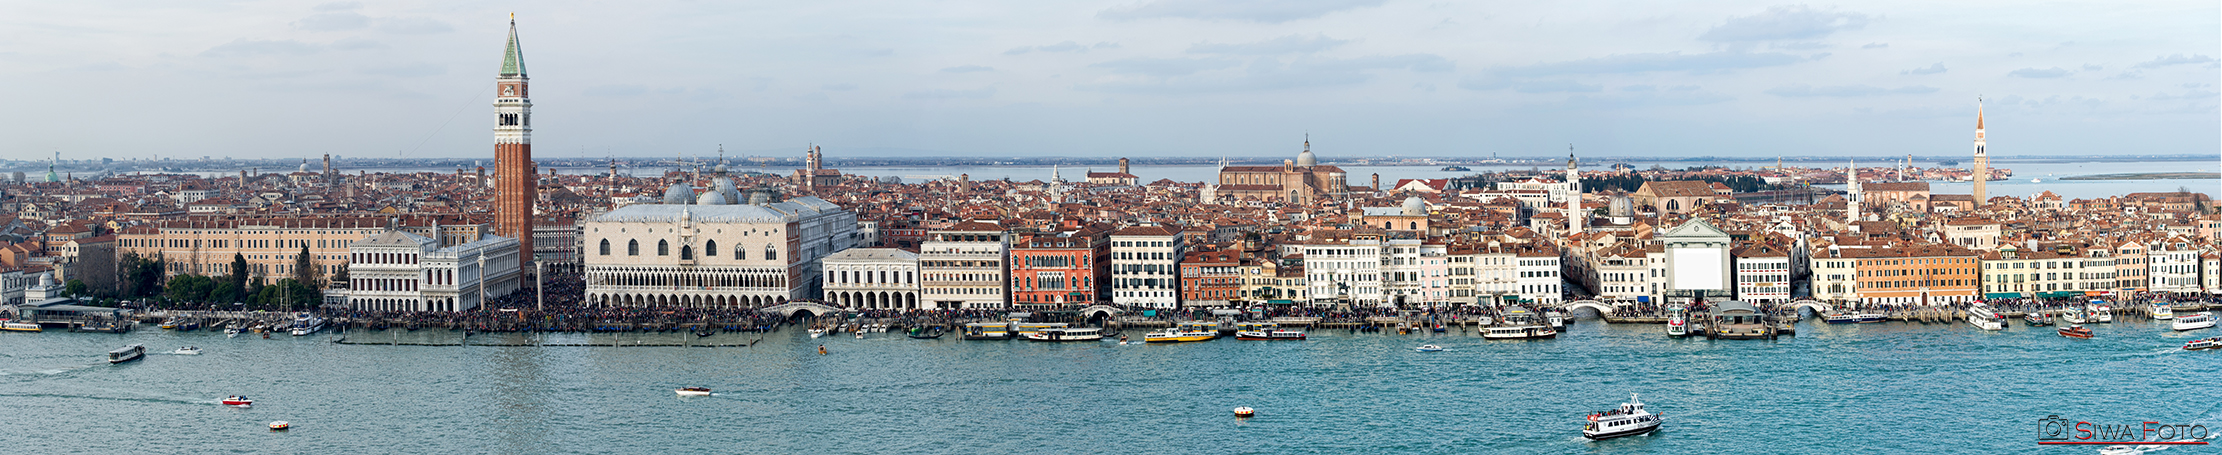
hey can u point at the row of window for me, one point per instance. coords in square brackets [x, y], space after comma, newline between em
[686, 252]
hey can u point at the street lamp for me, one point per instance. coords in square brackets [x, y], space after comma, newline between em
[482, 279]
[539, 284]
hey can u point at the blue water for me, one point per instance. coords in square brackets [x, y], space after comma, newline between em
[1877, 388]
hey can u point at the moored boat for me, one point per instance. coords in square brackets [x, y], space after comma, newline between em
[990, 331]
[306, 324]
[1678, 321]
[921, 333]
[1629, 419]
[2101, 313]
[1870, 318]
[2037, 319]
[127, 353]
[1982, 317]
[2203, 344]
[1840, 317]
[2076, 331]
[1066, 334]
[2072, 316]
[2162, 312]
[2194, 321]
[694, 391]
[1269, 335]
[15, 326]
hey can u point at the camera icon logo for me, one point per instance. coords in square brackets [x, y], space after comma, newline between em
[2053, 428]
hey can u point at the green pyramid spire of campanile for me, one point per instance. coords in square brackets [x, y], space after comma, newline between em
[513, 60]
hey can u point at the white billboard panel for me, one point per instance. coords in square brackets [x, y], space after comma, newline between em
[1698, 269]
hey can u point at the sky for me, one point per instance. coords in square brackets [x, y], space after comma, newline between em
[1209, 78]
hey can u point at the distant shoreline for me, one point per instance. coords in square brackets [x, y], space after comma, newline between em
[2150, 176]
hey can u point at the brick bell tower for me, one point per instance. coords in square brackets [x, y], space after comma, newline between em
[514, 188]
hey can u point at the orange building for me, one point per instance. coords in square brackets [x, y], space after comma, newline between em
[1920, 274]
[1210, 276]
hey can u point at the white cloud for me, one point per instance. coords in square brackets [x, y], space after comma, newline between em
[413, 26]
[973, 94]
[248, 47]
[1802, 90]
[1266, 11]
[1788, 22]
[1931, 69]
[1292, 44]
[2040, 73]
[332, 22]
[2177, 59]
[967, 69]
[1067, 46]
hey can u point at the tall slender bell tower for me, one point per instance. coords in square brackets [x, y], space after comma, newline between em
[514, 190]
[1574, 216]
[1982, 171]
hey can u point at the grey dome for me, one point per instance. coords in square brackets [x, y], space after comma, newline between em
[725, 186]
[679, 194]
[711, 198]
[1306, 158]
[1413, 206]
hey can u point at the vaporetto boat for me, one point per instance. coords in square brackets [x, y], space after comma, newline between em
[1064, 334]
[2194, 321]
[1629, 420]
[2162, 311]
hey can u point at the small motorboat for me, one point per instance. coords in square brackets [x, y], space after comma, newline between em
[1629, 420]
[2121, 450]
[232, 332]
[1245, 412]
[1429, 348]
[2203, 344]
[2076, 331]
[2037, 319]
[188, 350]
[818, 332]
[924, 334]
[280, 425]
[694, 391]
[238, 401]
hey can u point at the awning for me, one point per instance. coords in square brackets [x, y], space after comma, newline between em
[1280, 302]
[1643, 299]
[2002, 295]
[2058, 294]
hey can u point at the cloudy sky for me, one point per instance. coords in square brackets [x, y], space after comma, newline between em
[411, 78]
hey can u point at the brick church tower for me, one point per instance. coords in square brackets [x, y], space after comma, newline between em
[514, 191]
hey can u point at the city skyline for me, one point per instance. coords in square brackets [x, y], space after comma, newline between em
[1131, 79]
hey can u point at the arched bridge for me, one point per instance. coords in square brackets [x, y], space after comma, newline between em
[1816, 305]
[1105, 312]
[1603, 309]
[788, 310]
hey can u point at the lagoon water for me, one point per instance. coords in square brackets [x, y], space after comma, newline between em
[1874, 388]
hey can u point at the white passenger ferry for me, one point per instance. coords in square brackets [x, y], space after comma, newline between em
[1982, 317]
[2194, 321]
[1629, 420]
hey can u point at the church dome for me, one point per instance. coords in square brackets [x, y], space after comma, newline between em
[711, 198]
[46, 280]
[1306, 158]
[679, 194]
[1413, 206]
[725, 186]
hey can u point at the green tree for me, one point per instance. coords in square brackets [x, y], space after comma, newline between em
[304, 270]
[140, 277]
[189, 288]
[75, 287]
[224, 292]
[238, 271]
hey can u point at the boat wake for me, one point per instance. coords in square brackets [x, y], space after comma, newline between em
[111, 398]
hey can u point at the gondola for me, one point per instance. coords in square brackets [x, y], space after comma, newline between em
[703, 333]
[922, 334]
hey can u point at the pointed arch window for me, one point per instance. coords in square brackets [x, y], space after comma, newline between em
[770, 254]
[632, 247]
[663, 248]
[710, 249]
[686, 252]
[605, 247]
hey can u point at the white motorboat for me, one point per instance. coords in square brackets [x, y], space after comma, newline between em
[1429, 348]
[1678, 321]
[1629, 420]
[1556, 319]
[1840, 317]
[2194, 321]
[2102, 313]
[1982, 317]
[694, 391]
[188, 350]
[2163, 312]
[2072, 316]
[818, 332]
[305, 324]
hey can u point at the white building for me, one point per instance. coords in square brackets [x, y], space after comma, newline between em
[1762, 273]
[400, 271]
[1344, 273]
[965, 266]
[1145, 266]
[1835, 277]
[712, 253]
[873, 278]
[2174, 266]
[1539, 279]
[1417, 274]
